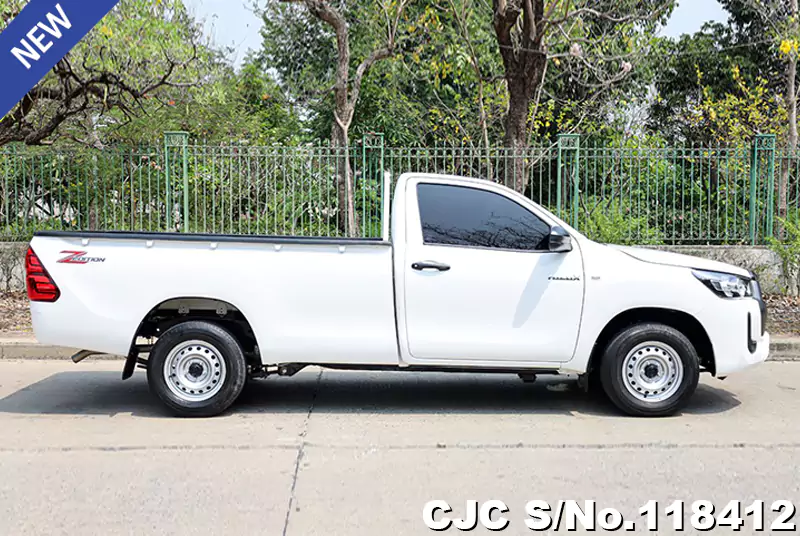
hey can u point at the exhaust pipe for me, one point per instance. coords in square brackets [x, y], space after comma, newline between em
[83, 354]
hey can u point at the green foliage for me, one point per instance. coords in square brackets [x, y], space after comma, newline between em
[707, 66]
[633, 192]
[737, 69]
[452, 70]
[161, 75]
[134, 37]
[600, 71]
[276, 120]
[692, 194]
[788, 250]
[209, 99]
[245, 107]
[734, 117]
[444, 85]
[142, 56]
[612, 222]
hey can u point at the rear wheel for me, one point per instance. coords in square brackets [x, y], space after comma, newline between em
[197, 369]
[650, 370]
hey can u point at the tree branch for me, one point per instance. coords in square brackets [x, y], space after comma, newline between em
[67, 93]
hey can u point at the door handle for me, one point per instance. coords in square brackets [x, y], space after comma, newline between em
[430, 265]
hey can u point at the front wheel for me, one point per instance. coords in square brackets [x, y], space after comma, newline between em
[650, 370]
[197, 369]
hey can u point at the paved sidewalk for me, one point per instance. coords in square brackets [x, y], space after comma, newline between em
[24, 346]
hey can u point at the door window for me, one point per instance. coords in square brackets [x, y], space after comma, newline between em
[471, 217]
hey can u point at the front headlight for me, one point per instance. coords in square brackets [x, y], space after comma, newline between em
[725, 285]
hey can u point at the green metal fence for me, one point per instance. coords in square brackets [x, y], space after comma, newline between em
[627, 193]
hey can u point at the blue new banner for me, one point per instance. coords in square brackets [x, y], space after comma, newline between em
[38, 38]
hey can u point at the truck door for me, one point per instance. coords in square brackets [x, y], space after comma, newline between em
[480, 281]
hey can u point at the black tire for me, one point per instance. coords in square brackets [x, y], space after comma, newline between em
[619, 382]
[226, 353]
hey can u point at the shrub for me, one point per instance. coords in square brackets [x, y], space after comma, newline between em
[610, 222]
[788, 250]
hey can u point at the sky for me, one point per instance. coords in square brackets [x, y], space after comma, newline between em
[690, 15]
[232, 22]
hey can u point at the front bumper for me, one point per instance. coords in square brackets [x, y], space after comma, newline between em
[738, 332]
[758, 354]
[738, 336]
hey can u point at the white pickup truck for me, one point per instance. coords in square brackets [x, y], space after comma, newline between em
[473, 277]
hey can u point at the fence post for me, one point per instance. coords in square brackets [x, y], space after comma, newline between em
[753, 179]
[95, 184]
[763, 144]
[768, 145]
[186, 184]
[177, 139]
[569, 144]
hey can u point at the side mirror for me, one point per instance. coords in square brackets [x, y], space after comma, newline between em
[560, 241]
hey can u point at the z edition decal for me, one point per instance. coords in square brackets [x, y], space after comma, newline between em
[78, 257]
[38, 38]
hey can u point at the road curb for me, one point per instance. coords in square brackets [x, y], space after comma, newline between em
[784, 349]
[780, 350]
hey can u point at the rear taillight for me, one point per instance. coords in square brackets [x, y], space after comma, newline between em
[41, 287]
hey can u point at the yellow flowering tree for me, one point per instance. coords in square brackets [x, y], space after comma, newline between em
[733, 118]
[780, 22]
[788, 47]
[788, 31]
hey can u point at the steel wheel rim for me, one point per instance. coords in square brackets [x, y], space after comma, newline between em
[194, 371]
[652, 372]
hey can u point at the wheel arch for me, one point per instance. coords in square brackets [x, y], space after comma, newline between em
[679, 320]
[176, 310]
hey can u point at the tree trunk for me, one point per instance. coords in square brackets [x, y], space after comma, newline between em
[345, 94]
[791, 82]
[783, 181]
[520, 29]
[345, 191]
[521, 89]
[791, 97]
[483, 121]
[342, 116]
[516, 136]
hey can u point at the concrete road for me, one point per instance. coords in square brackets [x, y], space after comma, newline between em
[360, 453]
